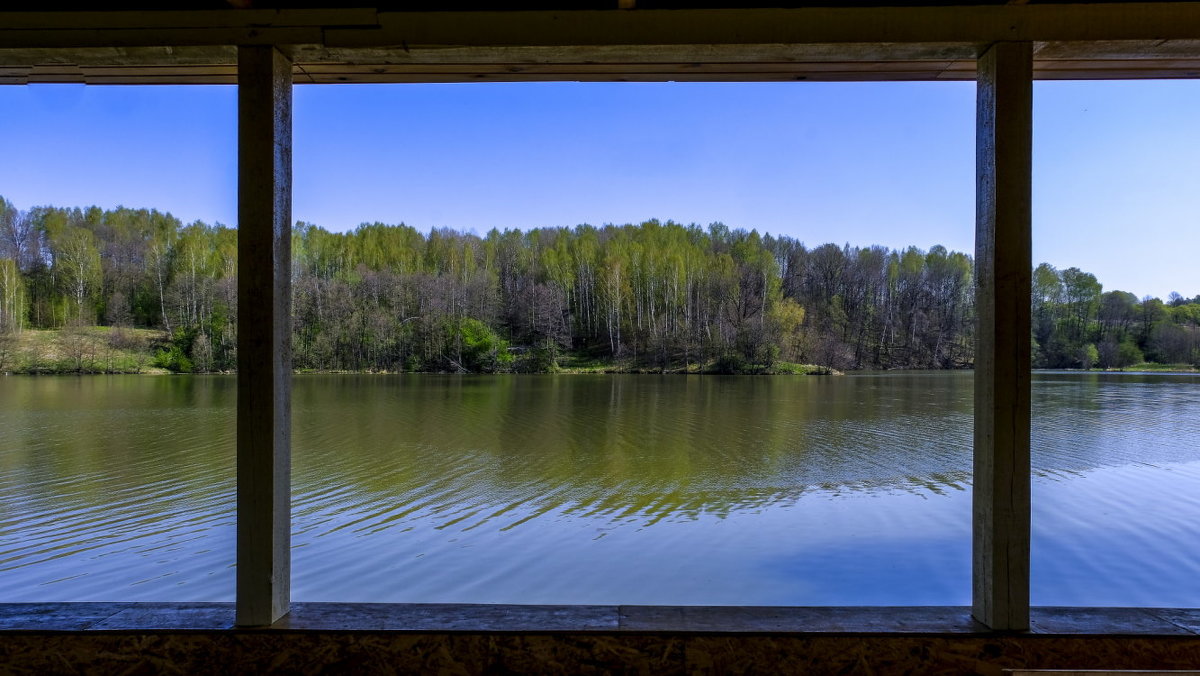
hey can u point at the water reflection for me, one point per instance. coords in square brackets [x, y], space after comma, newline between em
[114, 485]
[593, 489]
[619, 446]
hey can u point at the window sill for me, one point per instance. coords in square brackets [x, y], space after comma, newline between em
[470, 618]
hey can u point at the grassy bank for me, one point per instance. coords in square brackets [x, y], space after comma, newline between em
[1152, 367]
[103, 349]
[81, 349]
[574, 364]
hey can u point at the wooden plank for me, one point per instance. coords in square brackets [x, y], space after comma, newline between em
[264, 335]
[159, 37]
[1082, 67]
[628, 68]
[679, 72]
[617, 54]
[157, 80]
[963, 25]
[823, 62]
[207, 18]
[1086, 65]
[1117, 74]
[819, 71]
[979, 25]
[1118, 49]
[55, 78]
[1004, 130]
[122, 56]
[160, 71]
[716, 77]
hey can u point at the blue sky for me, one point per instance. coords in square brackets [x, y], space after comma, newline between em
[1116, 164]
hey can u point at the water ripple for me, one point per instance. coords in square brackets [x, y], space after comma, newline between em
[581, 489]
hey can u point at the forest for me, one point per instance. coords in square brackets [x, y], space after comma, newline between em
[653, 296]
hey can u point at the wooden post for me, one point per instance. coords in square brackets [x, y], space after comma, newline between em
[264, 335]
[1004, 132]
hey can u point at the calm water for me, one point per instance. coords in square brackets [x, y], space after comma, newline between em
[599, 489]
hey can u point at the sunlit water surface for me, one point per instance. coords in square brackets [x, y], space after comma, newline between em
[599, 489]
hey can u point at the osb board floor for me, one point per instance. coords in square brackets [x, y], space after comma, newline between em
[375, 652]
[199, 638]
[933, 620]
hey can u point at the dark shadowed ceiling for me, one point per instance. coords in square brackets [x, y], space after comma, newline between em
[195, 42]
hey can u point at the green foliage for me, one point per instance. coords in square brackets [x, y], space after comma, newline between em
[731, 363]
[175, 355]
[1129, 353]
[1088, 356]
[13, 297]
[656, 296]
[172, 358]
[76, 348]
[483, 349]
[542, 358]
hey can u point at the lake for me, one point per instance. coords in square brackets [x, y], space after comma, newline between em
[602, 489]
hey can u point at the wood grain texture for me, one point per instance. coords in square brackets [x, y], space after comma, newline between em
[873, 42]
[883, 621]
[373, 652]
[1001, 485]
[264, 335]
[323, 64]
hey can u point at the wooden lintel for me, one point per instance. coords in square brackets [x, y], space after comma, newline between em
[1114, 41]
[869, 26]
[980, 25]
[821, 71]
[160, 37]
[176, 19]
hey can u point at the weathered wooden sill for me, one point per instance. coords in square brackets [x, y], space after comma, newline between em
[406, 617]
[369, 638]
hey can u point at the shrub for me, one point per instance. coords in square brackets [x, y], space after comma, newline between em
[173, 359]
[482, 348]
[1129, 354]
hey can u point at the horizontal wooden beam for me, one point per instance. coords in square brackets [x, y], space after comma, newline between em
[173, 19]
[1112, 41]
[820, 71]
[979, 25]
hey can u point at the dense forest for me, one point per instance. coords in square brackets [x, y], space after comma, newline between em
[648, 296]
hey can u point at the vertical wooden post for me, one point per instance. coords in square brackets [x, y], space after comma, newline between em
[264, 335]
[1003, 265]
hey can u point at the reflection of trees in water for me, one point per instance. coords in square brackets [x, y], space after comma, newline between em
[98, 465]
[460, 452]
[478, 502]
[509, 450]
[1092, 420]
[645, 449]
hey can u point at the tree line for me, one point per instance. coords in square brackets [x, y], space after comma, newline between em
[652, 295]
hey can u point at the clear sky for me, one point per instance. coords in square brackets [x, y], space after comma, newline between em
[1116, 164]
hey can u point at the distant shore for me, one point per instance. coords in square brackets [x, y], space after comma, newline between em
[108, 350]
[1148, 367]
[104, 350]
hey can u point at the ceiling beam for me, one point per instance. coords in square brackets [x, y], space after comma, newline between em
[1144, 40]
[981, 25]
[366, 27]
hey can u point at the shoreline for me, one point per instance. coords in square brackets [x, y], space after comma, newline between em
[154, 371]
[783, 369]
[102, 350]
